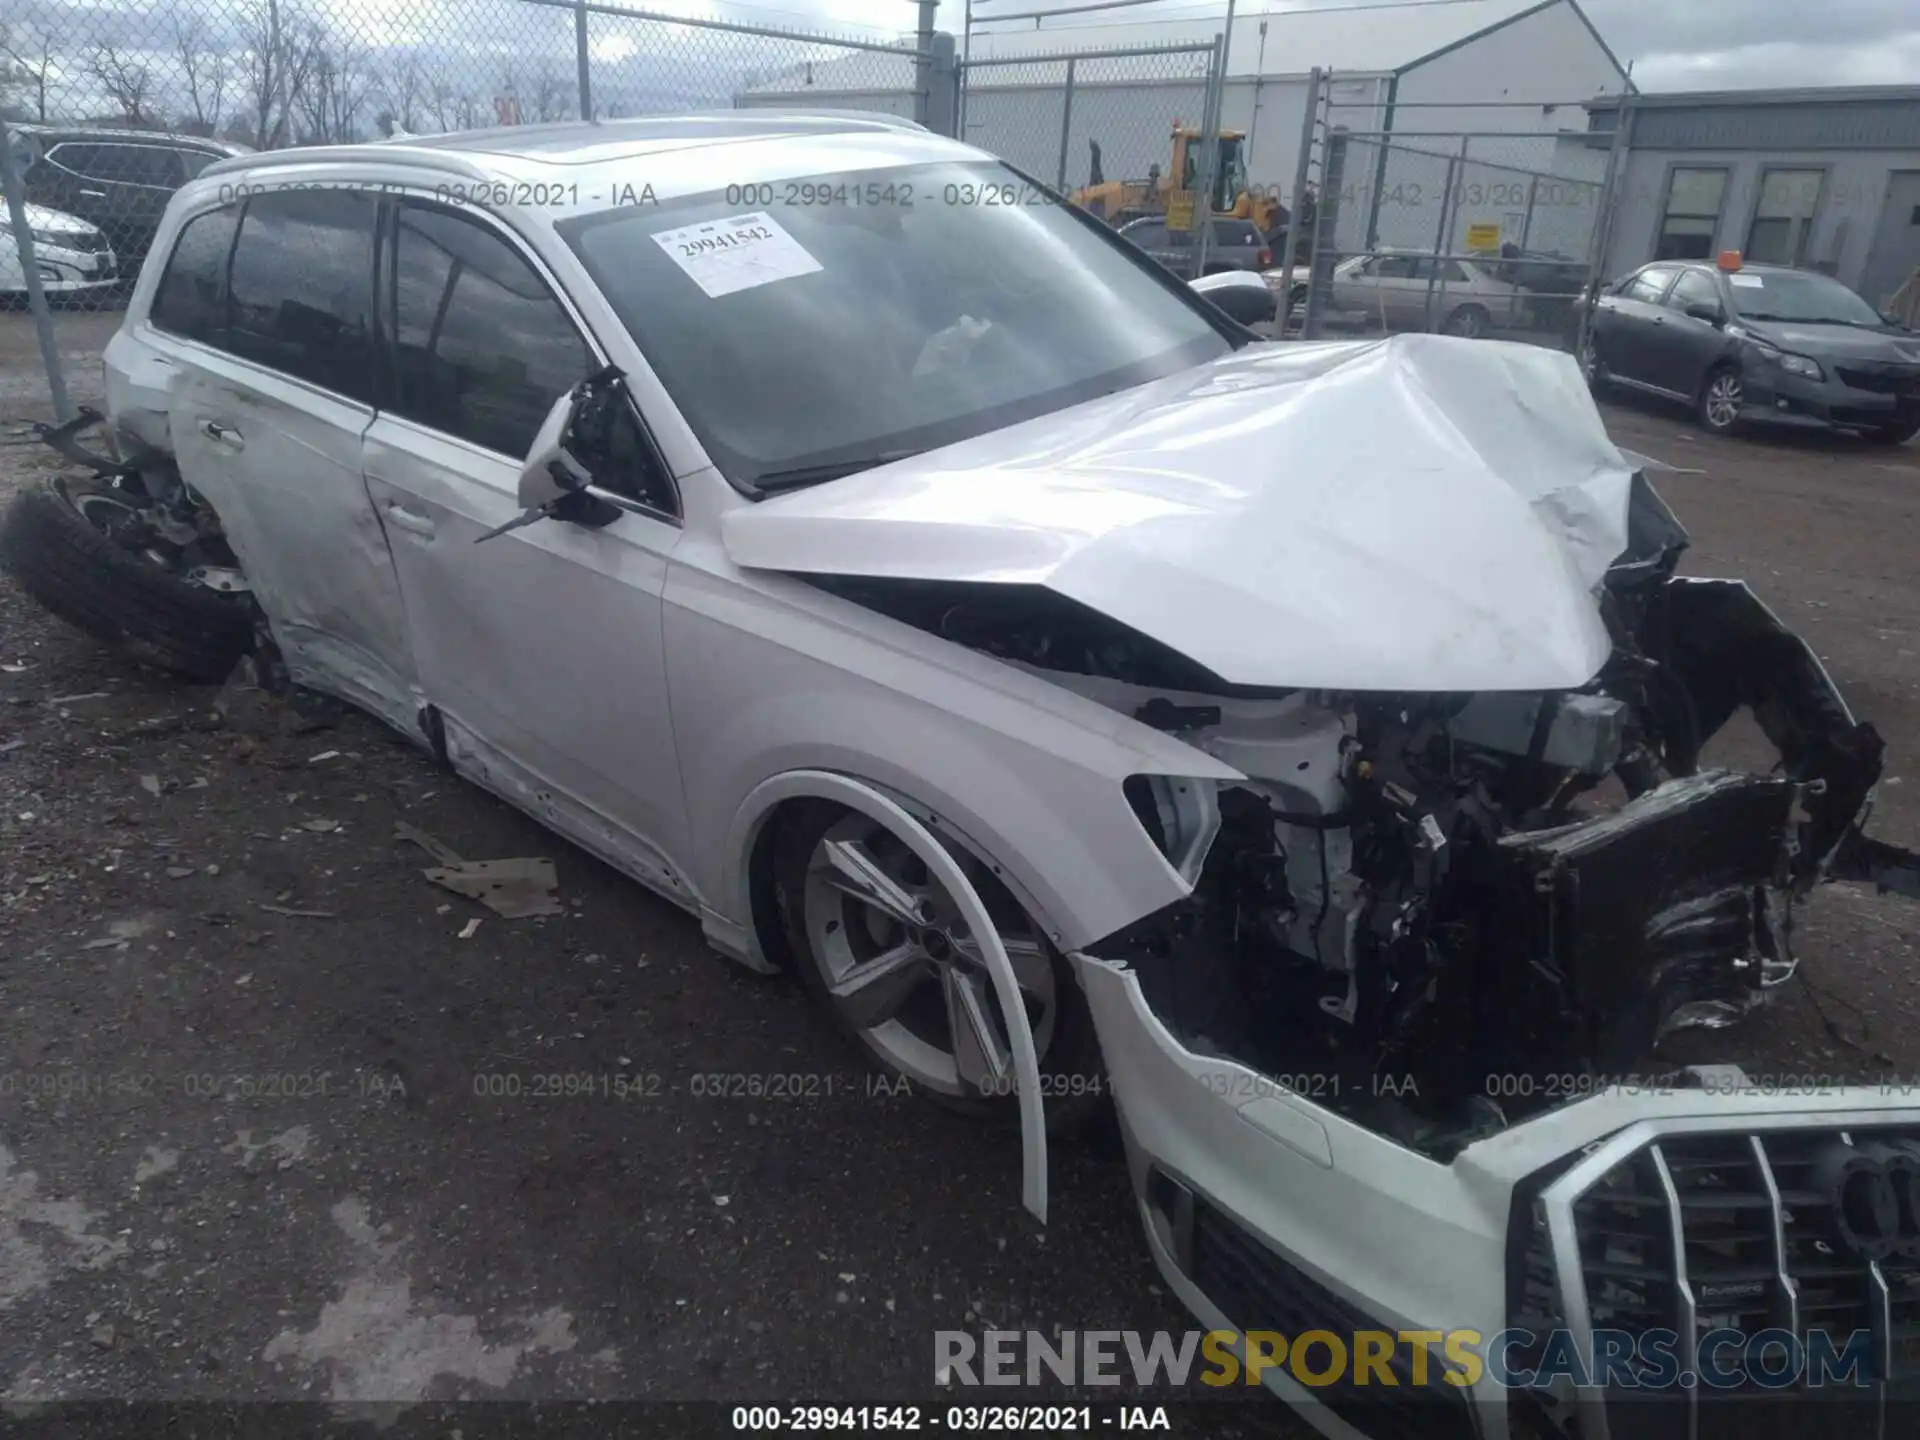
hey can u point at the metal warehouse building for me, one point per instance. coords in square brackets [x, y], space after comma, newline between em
[1825, 179]
[1424, 72]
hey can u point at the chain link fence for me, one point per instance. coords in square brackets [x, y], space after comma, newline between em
[1489, 232]
[109, 110]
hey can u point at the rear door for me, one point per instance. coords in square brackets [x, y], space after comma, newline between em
[1686, 347]
[266, 314]
[1629, 324]
[540, 649]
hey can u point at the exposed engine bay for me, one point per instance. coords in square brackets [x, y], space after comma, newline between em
[1441, 913]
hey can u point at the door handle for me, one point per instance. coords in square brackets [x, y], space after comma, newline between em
[410, 520]
[223, 434]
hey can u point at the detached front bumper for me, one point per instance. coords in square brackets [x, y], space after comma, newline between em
[1634, 1210]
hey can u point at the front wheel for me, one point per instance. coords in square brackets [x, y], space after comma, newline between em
[880, 944]
[1721, 399]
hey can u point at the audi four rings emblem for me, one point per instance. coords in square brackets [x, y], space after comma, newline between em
[1874, 1189]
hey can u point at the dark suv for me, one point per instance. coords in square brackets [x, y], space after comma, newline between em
[1760, 342]
[119, 180]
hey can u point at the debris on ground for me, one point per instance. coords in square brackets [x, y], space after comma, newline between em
[514, 889]
[467, 930]
[295, 913]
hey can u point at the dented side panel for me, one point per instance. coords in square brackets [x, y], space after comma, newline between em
[280, 464]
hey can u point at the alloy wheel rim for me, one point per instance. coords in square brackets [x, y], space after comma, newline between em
[1723, 400]
[902, 969]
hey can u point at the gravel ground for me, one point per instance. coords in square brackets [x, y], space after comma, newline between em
[270, 1121]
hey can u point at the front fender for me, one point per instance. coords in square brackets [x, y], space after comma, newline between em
[771, 676]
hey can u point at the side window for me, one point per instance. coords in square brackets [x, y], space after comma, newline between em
[1456, 273]
[301, 290]
[157, 165]
[192, 162]
[481, 348]
[192, 295]
[80, 158]
[1694, 288]
[1152, 236]
[1649, 285]
[1394, 267]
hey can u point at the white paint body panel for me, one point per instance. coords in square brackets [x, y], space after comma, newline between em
[1419, 513]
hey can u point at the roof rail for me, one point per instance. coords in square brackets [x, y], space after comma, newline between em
[384, 153]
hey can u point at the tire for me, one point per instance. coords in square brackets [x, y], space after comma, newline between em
[116, 595]
[1072, 1077]
[1721, 394]
[1469, 322]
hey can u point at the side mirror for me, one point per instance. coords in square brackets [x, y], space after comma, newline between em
[1712, 314]
[552, 470]
[1893, 321]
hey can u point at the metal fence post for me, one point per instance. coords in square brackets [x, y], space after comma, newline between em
[1209, 156]
[1066, 130]
[1450, 189]
[1598, 244]
[923, 63]
[30, 270]
[1309, 130]
[943, 89]
[1326, 218]
[582, 59]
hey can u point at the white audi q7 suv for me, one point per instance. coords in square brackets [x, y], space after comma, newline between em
[1298, 743]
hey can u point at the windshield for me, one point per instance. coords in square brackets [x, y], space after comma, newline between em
[808, 327]
[1798, 295]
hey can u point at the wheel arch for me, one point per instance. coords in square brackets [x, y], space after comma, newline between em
[750, 825]
[750, 845]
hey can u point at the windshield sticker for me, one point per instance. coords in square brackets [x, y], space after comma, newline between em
[737, 253]
[1748, 282]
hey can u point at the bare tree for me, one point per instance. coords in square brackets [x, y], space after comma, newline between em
[340, 77]
[453, 109]
[204, 71]
[125, 79]
[403, 88]
[276, 58]
[26, 55]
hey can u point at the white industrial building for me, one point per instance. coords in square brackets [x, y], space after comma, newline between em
[1826, 179]
[1425, 73]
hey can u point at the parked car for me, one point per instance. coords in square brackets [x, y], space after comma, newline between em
[1757, 342]
[1231, 245]
[1401, 290]
[118, 180]
[945, 607]
[74, 258]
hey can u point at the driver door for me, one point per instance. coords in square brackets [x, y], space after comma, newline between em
[539, 650]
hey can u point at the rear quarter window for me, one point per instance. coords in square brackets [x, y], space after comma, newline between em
[191, 297]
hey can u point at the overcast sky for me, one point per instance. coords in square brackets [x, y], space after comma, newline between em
[1673, 44]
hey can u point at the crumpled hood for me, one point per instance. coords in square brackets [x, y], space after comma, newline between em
[1843, 342]
[1417, 513]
